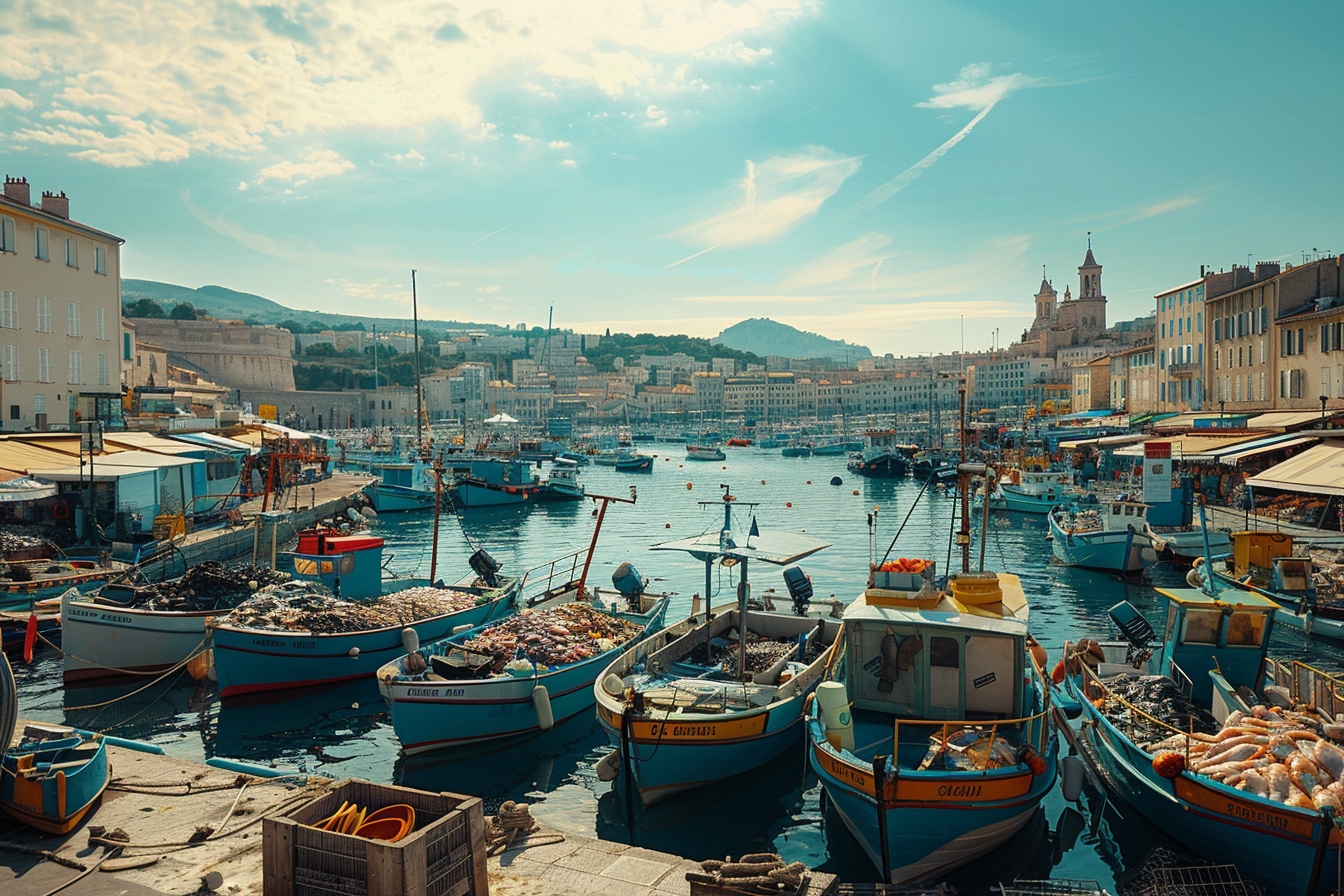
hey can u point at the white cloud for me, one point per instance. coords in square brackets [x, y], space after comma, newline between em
[489, 289]
[13, 99]
[237, 80]
[379, 289]
[568, 163]
[410, 156]
[656, 118]
[974, 89]
[522, 138]
[778, 194]
[1134, 214]
[317, 164]
[559, 144]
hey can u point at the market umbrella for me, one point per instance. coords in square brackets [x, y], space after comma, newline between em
[502, 418]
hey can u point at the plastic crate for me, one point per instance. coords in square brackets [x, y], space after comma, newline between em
[444, 856]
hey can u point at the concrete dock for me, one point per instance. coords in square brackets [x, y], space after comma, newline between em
[162, 803]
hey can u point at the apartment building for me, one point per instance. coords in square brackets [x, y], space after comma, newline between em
[1180, 347]
[61, 339]
[999, 383]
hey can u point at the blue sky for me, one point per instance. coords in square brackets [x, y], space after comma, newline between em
[875, 171]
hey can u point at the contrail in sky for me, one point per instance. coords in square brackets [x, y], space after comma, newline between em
[582, 269]
[507, 226]
[689, 257]
[902, 180]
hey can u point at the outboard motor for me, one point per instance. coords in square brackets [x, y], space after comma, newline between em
[800, 589]
[485, 566]
[631, 585]
[1136, 630]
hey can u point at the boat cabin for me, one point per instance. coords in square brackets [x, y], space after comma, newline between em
[1228, 634]
[1267, 559]
[350, 565]
[945, 661]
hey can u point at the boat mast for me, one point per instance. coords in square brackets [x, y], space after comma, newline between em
[375, 374]
[964, 483]
[415, 336]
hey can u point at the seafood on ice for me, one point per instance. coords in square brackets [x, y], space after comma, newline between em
[1280, 754]
[308, 607]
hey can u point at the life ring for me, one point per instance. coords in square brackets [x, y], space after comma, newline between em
[61, 510]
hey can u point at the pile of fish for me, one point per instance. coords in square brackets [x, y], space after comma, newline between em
[1280, 754]
[311, 608]
[209, 586]
[568, 633]
[762, 653]
[1159, 697]
[12, 542]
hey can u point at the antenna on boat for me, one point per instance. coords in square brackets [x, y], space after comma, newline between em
[964, 485]
[419, 394]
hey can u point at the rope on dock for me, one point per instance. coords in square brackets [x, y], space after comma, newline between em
[513, 819]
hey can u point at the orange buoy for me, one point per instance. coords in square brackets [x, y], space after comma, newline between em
[762, 482]
[856, 491]
[723, 468]
[788, 503]
[688, 486]
[667, 525]
[809, 482]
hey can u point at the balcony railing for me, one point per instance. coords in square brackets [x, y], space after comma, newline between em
[1185, 370]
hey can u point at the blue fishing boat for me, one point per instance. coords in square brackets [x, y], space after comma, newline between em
[1170, 527]
[801, 449]
[1186, 771]
[705, 451]
[53, 776]
[675, 706]
[24, 583]
[1034, 491]
[883, 455]
[577, 457]
[1265, 563]
[563, 483]
[494, 481]
[402, 486]
[930, 730]
[631, 462]
[515, 676]
[1106, 537]
[286, 637]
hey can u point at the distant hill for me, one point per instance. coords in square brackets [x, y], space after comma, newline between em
[229, 304]
[763, 336]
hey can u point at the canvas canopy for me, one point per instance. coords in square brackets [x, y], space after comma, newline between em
[1318, 470]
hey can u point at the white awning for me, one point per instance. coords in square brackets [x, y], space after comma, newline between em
[1318, 470]
[1263, 446]
[502, 417]
[24, 489]
[780, 548]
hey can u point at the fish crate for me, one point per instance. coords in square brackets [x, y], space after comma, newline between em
[1054, 887]
[444, 856]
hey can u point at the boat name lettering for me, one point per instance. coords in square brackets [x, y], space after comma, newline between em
[966, 790]
[1257, 816]
[268, 642]
[987, 678]
[685, 730]
[109, 617]
[436, 692]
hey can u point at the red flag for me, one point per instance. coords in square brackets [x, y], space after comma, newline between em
[30, 637]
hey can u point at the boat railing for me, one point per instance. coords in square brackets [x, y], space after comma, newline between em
[1100, 695]
[1309, 684]
[1183, 681]
[562, 571]
[1035, 728]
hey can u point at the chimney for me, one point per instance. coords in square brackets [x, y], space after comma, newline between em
[56, 204]
[1201, 272]
[1266, 269]
[16, 190]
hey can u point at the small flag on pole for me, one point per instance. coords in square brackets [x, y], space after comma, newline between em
[755, 530]
[30, 637]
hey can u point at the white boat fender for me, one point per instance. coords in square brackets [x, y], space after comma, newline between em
[410, 639]
[613, 684]
[541, 701]
[1071, 777]
[354, 652]
[368, 513]
[1193, 578]
[609, 767]
[833, 703]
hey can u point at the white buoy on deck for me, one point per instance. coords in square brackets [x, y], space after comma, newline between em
[609, 766]
[1071, 777]
[541, 701]
[833, 701]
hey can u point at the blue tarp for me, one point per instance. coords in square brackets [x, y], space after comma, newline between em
[1087, 415]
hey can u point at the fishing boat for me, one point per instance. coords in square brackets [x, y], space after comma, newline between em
[1169, 525]
[834, 448]
[52, 777]
[493, 481]
[675, 706]
[883, 455]
[739, 442]
[1034, 491]
[943, 683]
[288, 637]
[1170, 727]
[24, 582]
[563, 482]
[1265, 563]
[634, 463]
[402, 486]
[1107, 537]
[514, 676]
[799, 449]
[576, 457]
[705, 451]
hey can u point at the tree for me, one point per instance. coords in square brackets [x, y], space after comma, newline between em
[183, 311]
[143, 308]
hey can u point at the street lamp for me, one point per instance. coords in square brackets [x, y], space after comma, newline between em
[1221, 402]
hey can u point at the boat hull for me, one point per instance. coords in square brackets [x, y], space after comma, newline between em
[635, 465]
[887, 466]
[1185, 546]
[1117, 552]
[252, 661]
[1017, 501]
[58, 802]
[398, 499]
[936, 822]
[471, 494]
[1269, 841]
[1291, 612]
[103, 642]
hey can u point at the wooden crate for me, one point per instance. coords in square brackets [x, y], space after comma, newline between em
[444, 856]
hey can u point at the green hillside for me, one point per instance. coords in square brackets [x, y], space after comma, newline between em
[763, 336]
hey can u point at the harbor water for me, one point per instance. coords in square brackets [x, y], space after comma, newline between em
[345, 731]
